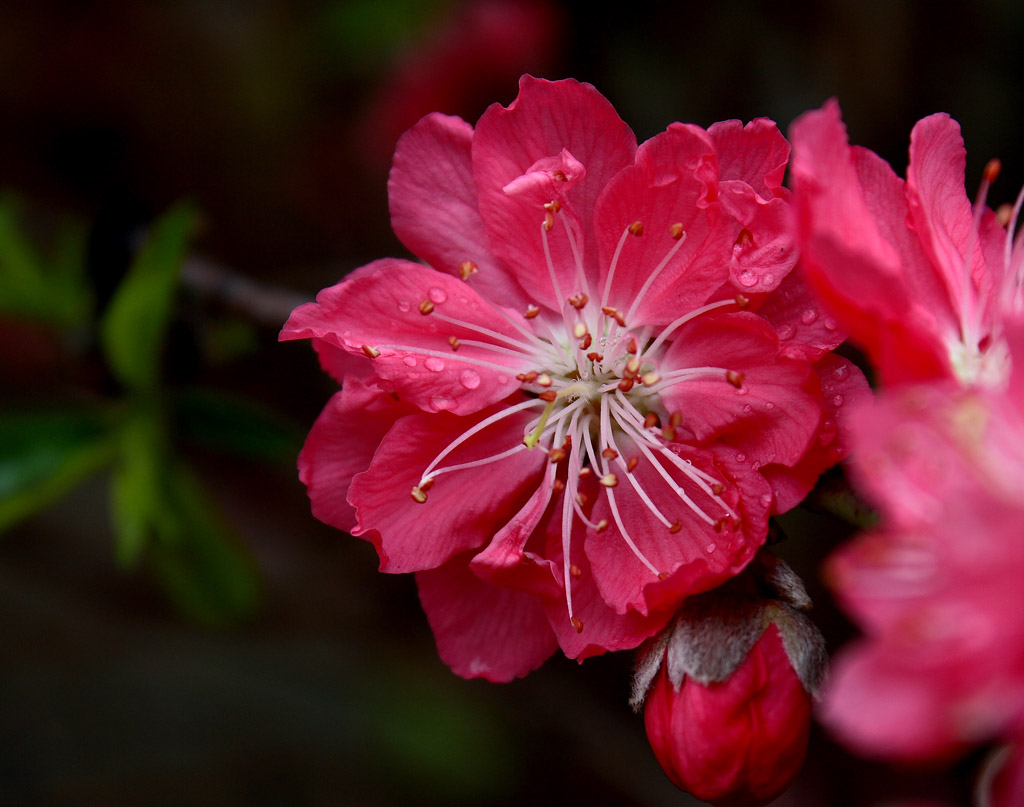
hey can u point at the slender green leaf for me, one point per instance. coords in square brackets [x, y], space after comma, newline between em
[237, 426]
[137, 487]
[134, 328]
[45, 454]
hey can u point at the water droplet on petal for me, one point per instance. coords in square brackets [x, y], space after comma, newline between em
[470, 379]
[502, 379]
[434, 364]
[769, 406]
[786, 332]
[408, 361]
[437, 295]
[747, 278]
[741, 458]
[755, 466]
[829, 323]
[766, 500]
[748, 410]
[840, 372]
[837, 400]
[439, 403]
[809, 316]
[710, 548]
[404, 306]
[769, 279]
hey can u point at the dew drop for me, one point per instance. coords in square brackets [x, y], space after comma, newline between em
[829, 323]
[748, 410]
[766, 500]
[502, 379]
[470, 379]
[840, 372]
[741, 458]
[786, 332]
[769, 406]
[439, 403]
[404, 306]
[747, 278]
[768, 279]
[710, 548]
[409, 361]
[809, 316]
[755, 466]
[437, 295]
[434, 364]
[837, 400]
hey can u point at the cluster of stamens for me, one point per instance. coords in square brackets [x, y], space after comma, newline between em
[594, 385]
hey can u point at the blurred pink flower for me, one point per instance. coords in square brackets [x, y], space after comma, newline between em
[575, 416]
[915, 274]
[937, 591]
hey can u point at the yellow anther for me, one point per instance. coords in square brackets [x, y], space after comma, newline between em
[467, 269]
[370, 352]
[426, 307]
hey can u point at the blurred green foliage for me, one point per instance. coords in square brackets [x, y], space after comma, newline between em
[161, 512]
[45, 287]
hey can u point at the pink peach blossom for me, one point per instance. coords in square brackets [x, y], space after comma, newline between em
[937, 591]
[576, 414]
[915, 274]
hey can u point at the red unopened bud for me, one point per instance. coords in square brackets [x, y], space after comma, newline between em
[738, 742]
[727, 687]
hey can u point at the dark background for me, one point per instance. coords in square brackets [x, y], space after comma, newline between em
[277, 120]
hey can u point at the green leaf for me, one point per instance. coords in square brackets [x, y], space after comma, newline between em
[135, 325]
[237, 426]
[137, 495]
[202, 565]
[42, 288]
[45, 454]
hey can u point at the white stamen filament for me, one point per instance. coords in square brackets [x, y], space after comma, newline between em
[479, 427]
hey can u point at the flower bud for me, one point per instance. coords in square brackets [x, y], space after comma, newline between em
[727, 690]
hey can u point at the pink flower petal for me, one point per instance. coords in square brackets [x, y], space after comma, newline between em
[698, 555]
[545, 119]
[341, 444]
[850, 208]
[672, 185]
[764, 412]
[484, 631]
[382, 309]
[434, 206]
[462, 507]
[602, 629]
[756, 154]
[506, 561]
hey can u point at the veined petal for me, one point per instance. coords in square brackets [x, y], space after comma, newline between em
[505, 561]
[484, 631]
[850, 209]
[698, 555]
[942, 217]
[670, 191]
[765, 412]
[341, 444]
[434, 205]
[461, 508]
[602, 628]
[756, 154]
[389, 307]
[843, 391]
[545, 119]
